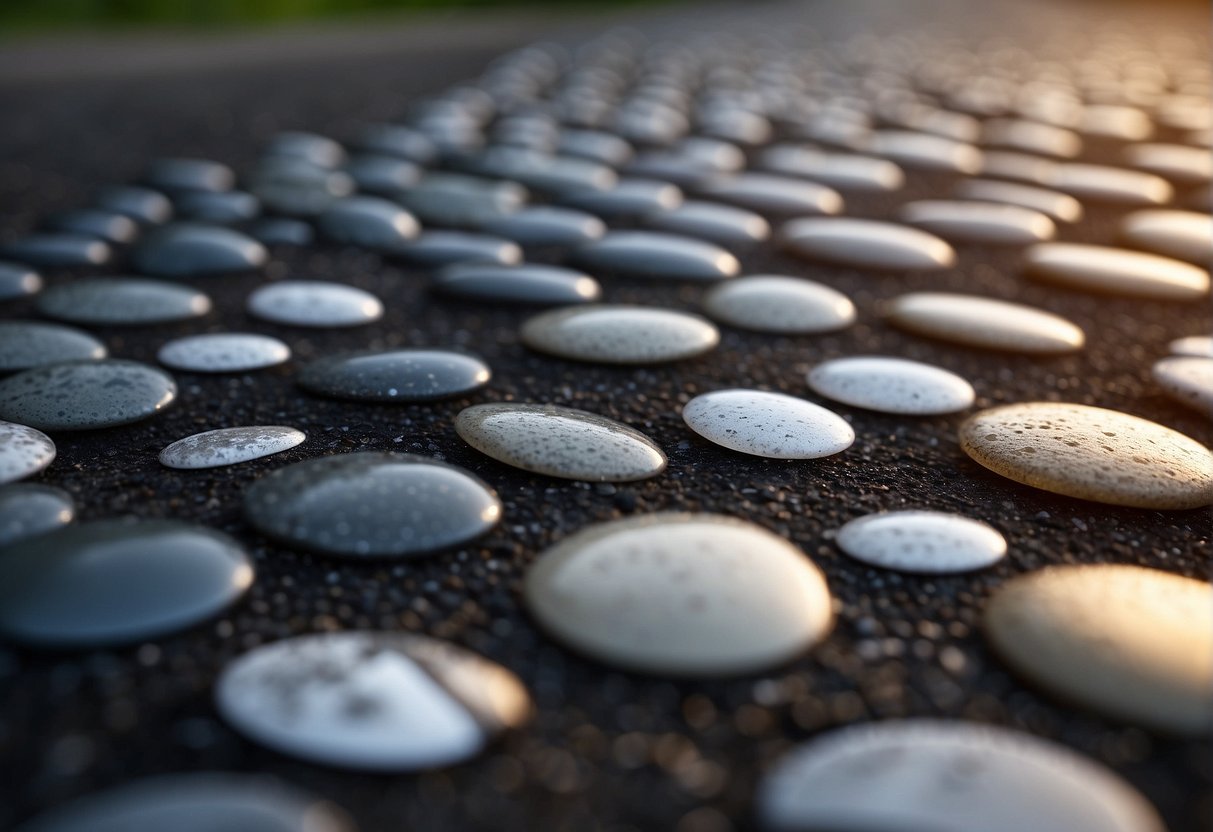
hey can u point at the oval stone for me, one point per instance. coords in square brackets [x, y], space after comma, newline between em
[606, 148]
[397, 140]
[1116, 271]
[1057, 206]
[143, 205]
[910, 775]
[891, 385]
[1179, 163]
[560, 442]
[26, 344]
[314, 303]
[372, 505]
[434, 249]
[630, 198]
[652, 254]
[773, 194]
[18, 281]
[1127, 641]
[58, 249]
[194, 249]
[927, 542]
[984, 322]
[195, 802]
[991, 223]
[383, 702]
[867, 244]
[1031, 137]
[178, 175]
[1091, 453]
[1188, 380]
[85, 395]
[23, 451]
[845, 171]
[771, 425]
[1200, 346]
[527, 283]
[282, 231]
[724, 225]
[547, 225]
[308, 147]
[778, 304]
[1101, 183]
[117, 582]
[385, 175]
[109, 226]
[611, 334]
[30, 510]
[685, 595]
[462, 201]
[922, 150]
[1021, 167]
[122, 301]
[223, 208]
[1187, 235]
[368, 221]
[403, 375]
[223, 352]
[230, 446]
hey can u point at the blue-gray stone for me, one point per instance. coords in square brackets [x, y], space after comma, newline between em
[189, 250]
[26, 344]
[29, 510]
[53, 249]
[368, 221]
[396, 140]
[223, 207]
[403, 375]
[314, 149]
[525, 283]
[174, 176]
[143, 205]
[18, 281]
[282, 231]
[110, 226]
[122, 301]
[23, 451]
[85, 395]
[385, 175]
[630, 198]
[546, 225]
[725, 225]
[433, 249]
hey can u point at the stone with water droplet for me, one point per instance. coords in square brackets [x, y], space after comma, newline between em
[230, 446]
[779, 304]
[404, 375]
[23, 451]
[223, 352]
[928, 542]
[891, 385]
[26, 344]
[770, 425]
[866, 244]
[982, 322]
[314, 303]
[619, 334]
[85, 395]
[1116, 271]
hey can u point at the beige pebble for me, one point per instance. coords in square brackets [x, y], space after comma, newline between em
[984, 322]
[1187, 235]
[1116, 271]
[1187, 379]
[1091, 453]
[1131, 642]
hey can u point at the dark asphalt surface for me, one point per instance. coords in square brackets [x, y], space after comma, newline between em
[607, 750]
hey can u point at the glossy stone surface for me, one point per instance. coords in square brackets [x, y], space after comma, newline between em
[18, 281]
[122, 301]
[85, 395]
[371, 505]
[383, 702]
[1178, 163]
[770, 425]
[617, 334]
[922, 150]
[194, 249]
[1186, 235]
[116, 582]
[1057, 206]
[174, 175]
[143, 205]
[1031, 137]
[927, 542]
[1091, 453]
[223, 208]
[990, 223]
[526, 283]
[230, 446]
[55, 249]
[1200, 346]
[652, 254]
[1116, 271]
[773, 194]
[223, 352]
[866, 244]
[909, 775]
[560, 442]
[434, 249]
[984, 322]
[314, 303]
[452, 199]
[891, 385]
[686, 595]
[779, 304]
[367, 221]
[404, 375]
[281, 231]
[26, 344]
[1101, 183]
[630, 198]
[1187, 379]
[196, 803]
[1127, 641]
[29, 510]
[725, 225]
[23, 451]
[845, 171]
[110, 226]
[546, 225]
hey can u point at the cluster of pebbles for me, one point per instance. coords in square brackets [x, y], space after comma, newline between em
[659, 167]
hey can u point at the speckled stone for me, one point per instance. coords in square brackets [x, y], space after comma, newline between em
[725, 225]
[434, 249]
[1116, 271]
[560, 442]
[372, 505]
[85, 395]
[23, 451]
[314, 303]
[922, 150]
[143, 205]
[1127, 641]
[891, 385]
[770, 425]
[56, 249]
[29, 510]
[371, 701]
[685, 595]
[911, 775]
[230, 446]
[779, 304]
[195, 249]
[526, 283]
[845, 171]
[617, 334]
[196, 803]
[866, 244]
[224, 352]
[770, 193]
[653, 254]
[927, 542]
[116, 582]
[1200, 346]
[369, 221]
[1187, 235]
[26, 344]
[1091, 453]
[1057, 206]
[1101, 183]
[122, 301]
[110, 226]
[1187, 379]
[547, 225]
[404, 375]
[984, 322]
[18, 281]
[989, 223]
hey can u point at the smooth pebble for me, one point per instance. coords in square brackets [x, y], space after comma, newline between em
[86, 395]
[223, 352]
[619, 334]
[1187, 379]
[196, 249]
[926, 542]
[28, 510]
[402, 375]
[771, 425]
[1187, 235]
[525, 283]
[779, 304]
[122, 301]
[1116, 271]
[23, 451]
[314, 303]
[891, 385]
[866, 244]
[230, 446]
[990, 223]
[983, 322]
[26, 344]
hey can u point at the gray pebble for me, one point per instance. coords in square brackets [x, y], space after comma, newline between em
[85, 395]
